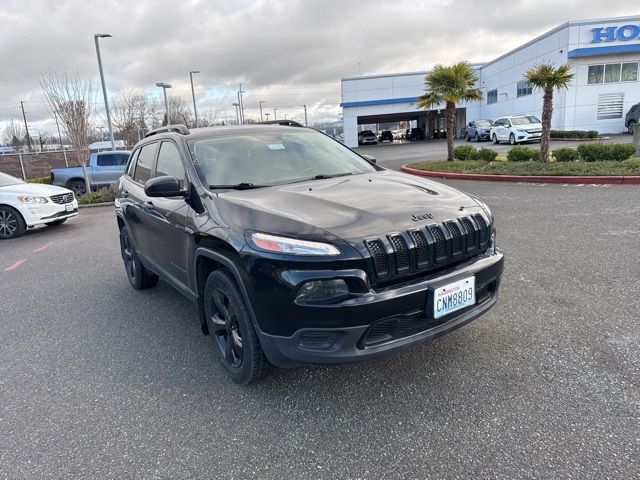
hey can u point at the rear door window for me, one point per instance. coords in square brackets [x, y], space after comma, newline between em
[144, 162]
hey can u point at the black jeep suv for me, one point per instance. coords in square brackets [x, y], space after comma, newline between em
[298, 250]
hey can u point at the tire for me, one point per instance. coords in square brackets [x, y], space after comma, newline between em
[477, 138]
[494, 139]
[630, 125]
[468, 138]
[78, 187]
[234, 338]
[56, 222]
[12, 225]
[512, 139]
[139, 277]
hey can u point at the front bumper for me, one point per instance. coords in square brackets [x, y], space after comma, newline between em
[408, 302]
[37, 214]
[526, 136]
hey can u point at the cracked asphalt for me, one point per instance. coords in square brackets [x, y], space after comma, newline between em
[100, 381]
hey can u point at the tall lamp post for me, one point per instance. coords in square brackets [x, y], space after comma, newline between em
[237, 107]
[275, 116]
[97, 36]
[267, 115]
[261, 102]
[193, 95]
[164, 87]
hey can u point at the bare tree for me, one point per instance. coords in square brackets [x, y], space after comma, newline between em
[125, 108]
[71, 99]
[209, 119]
[12, 134]
[179, 112]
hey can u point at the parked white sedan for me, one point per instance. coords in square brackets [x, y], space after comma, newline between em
[24, 205]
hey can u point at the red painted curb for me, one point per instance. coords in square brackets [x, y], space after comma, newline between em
[582, 179]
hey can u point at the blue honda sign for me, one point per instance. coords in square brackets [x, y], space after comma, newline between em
[612, 34]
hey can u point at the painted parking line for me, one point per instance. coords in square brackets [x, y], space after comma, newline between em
[43, 247]
[15, 265]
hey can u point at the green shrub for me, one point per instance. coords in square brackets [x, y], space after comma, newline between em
[574, 134]
[46, 180]
[486, 154]
[566, 155]
[464, 152]
[89, 198]
[621, 151]
[520, 153]
[599, 152]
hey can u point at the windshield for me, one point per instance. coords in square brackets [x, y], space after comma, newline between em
[273, 158]
[6, 180]
[524, 120]
[483, 123]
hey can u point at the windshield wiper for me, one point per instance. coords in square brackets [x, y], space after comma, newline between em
[238, 186]
[323, 176]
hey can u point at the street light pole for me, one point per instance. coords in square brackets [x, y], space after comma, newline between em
[164, 87]
[275, 115]
[104, 88]
[261, 102]
[267, 115]
[193, 95]
[237, 108]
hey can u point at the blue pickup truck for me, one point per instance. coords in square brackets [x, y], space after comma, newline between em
[104, 169]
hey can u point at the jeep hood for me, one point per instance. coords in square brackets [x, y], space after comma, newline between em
[349, 208]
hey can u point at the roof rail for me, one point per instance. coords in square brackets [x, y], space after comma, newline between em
[285, 123]
[178, 128]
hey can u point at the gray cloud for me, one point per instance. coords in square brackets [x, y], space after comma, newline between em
[288, 53]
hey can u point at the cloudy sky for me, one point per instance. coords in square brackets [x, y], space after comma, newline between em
[287, 53]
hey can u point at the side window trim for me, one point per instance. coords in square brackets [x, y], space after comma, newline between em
[131, 166]
[153, 162]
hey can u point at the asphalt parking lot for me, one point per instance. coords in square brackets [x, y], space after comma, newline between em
[100, 381]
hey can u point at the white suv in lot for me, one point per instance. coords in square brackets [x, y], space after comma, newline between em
[521, 128]
[24, 205]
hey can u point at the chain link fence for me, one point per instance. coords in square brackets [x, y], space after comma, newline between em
[32, 165]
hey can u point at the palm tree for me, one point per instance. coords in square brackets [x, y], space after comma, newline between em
[450, 85]
[547, 77]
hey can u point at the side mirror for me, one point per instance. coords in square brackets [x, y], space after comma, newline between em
[163, 187]
[471, 124]
[370, 158]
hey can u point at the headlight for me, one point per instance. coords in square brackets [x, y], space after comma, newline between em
[291, 246]
[322, 291]
[28, 199]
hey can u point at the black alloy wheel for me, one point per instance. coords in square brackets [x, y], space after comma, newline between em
[78, 187]
[231, 329]
[12, 224]
[139, 277]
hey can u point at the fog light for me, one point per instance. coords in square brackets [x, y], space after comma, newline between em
[322, 291]
[317, 340]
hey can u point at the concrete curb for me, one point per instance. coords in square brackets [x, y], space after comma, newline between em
[578, 179]
[93, 205]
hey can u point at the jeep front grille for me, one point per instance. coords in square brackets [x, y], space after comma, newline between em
[422, 249]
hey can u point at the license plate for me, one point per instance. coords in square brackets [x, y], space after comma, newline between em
[69, 207]
[454, 296]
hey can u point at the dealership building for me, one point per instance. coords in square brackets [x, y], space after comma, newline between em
[603, 54]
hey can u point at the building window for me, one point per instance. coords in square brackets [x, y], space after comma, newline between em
[524, 88]
[613, 73]
[492, 96]
[630, 72]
